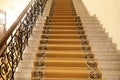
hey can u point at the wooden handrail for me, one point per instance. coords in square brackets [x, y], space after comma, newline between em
[14, 25]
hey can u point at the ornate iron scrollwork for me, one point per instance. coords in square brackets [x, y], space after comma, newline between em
[12, 53]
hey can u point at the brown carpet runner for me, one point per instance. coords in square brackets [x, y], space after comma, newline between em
[64, 52]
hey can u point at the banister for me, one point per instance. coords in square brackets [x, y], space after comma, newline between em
[14, 25]
[16, 39]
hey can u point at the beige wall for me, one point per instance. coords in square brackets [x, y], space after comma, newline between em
[108, 12]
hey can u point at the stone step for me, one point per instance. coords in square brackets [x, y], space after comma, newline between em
[64, 31]
[107, 56]
[63, 54]
[63, 72]
[29, 55]
[56, 27]
[63, 41]
[62, 62]
[88, 30]
[23, 75]
[62, 23]
[90, 24]
[100, 38]
[64, 47]
[88, 20]
[96, 34]
[62, 20]
[100, 43]
[61, 36]
[109, 65]
[62, 17]
[111, 74]
[30, 49]
[64, 79]
[103, 49]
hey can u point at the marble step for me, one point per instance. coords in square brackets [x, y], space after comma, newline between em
[111, 74]
[107, 56]
[109, 65]
[54, 72]
[100, 38]
[63, 54]
[103, 49]
[62, 62]
[65, 79]
[24, 74]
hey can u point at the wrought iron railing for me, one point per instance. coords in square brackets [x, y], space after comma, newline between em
[16, 38]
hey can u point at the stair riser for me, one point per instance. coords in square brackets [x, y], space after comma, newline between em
[58, 64]
[64, 42]
[62, 20]
[62, 23]
[65, 32]
[62, 55]
[67, 75]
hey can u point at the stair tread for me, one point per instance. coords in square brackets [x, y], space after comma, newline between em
[66, 79]
[62, 62]
[65, 45]
[64, 72]
[62, 39]
[64, 54]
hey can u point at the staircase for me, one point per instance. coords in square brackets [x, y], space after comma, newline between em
[68, 46]
[64, 52]
[101, 44]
